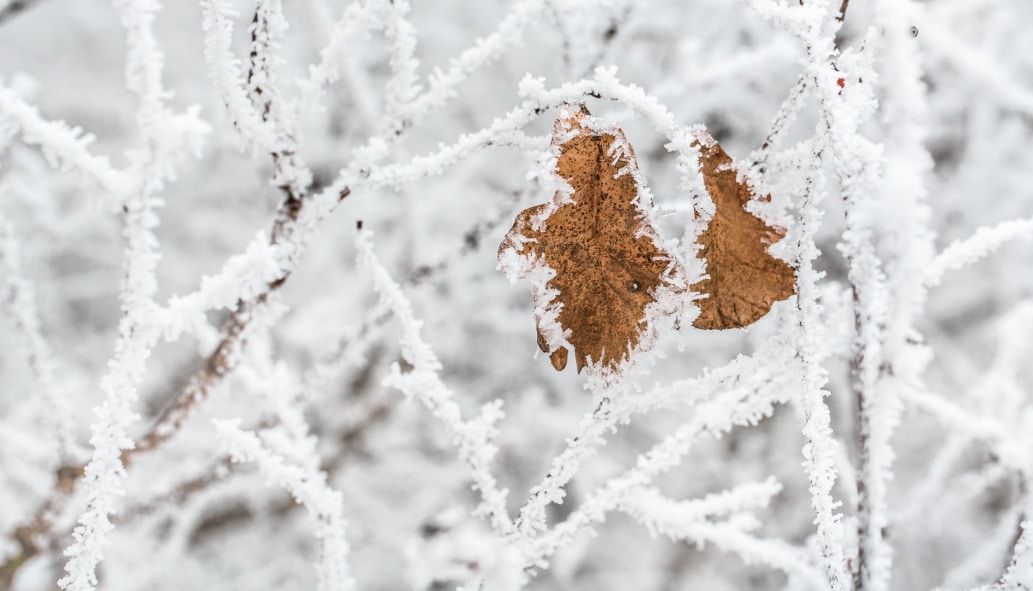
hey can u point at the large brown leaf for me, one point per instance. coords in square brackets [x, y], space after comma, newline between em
[745, 281]
[607, 259]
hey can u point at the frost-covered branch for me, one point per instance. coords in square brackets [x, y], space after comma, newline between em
[356, 21]
[734, 408]
[17, 299]
[63, 146]
[442, 85]
[820, 448]
[695, 522]
[603, 85]
[1019, 575]
[139, 329]
[309, 488]
[745, 373]
[962, 253]
[857, 163]
[473, 438]
[227, 74]
[663, 513]
[105, 472]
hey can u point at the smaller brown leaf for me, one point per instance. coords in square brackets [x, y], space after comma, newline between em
[745, 281]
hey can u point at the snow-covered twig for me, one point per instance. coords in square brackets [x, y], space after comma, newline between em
[226, 72]
[787, 113]
[961, 253]
[356, 20]
[402, 86]
[1019, 575]
[63, 146]
[442, 85]
[693, 521]
[308, 486]
[140, 326]
[663, 514]
[734, 408]
[744, 373]
[137, 333]
[856, 164]
[819, 451]
[806, 22]
[473, 438]
[17, 298]
[603, 85]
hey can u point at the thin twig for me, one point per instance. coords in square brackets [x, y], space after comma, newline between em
[180, 493]
[787, 112]
[842, 10]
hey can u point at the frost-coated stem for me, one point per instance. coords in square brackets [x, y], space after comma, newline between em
[819, 449]
[290, 174]
[1019, 575]
[442, 84]
[901, 358]
[402, 86]
[63, 146]
[739, 499]
[603, 85]
[741, 373]
[591, 433]
[473, 438]
[139, 329]
[815, 27]
[736, 407]
[856, 165]
[694, 522]
[227, 74]
[308, 486]
[17, 298]
[962, 253]
[787, 113]
[105, 473]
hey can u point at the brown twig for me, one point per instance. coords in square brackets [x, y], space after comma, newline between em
[842, 10]
[180, 493]
[216, 367]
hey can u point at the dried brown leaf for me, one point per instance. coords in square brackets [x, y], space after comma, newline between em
[745, 280]
[607, 258]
